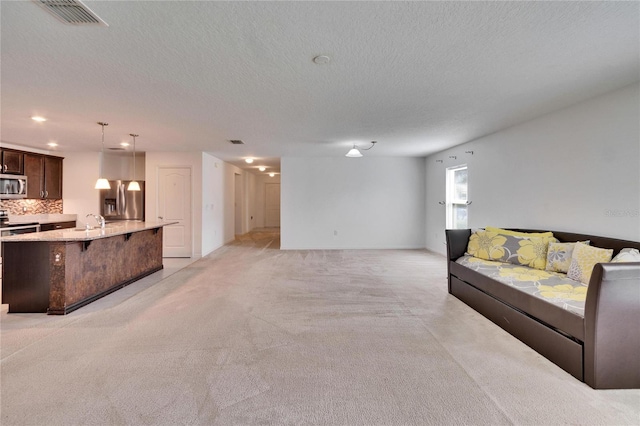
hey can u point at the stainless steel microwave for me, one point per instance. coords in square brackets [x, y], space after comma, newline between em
[13, 186]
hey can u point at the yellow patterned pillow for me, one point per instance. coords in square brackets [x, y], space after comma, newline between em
[583, 260]
[531, 252]
[486, 245]
[519, 234]
[508, 248]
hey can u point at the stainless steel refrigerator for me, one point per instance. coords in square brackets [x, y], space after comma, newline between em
[118, 203]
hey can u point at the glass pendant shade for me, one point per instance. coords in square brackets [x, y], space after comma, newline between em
[133, 186]
[353, 153]
[102, 183]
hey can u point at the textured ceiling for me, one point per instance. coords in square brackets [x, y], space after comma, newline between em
[416, 76]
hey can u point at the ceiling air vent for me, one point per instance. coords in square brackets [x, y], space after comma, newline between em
[236, 142]
[116, 149]
[71, 12]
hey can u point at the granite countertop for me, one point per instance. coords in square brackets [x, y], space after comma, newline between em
[112, 229]
[42, 218]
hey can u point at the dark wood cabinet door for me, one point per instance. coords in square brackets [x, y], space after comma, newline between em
[12, 162]
[52, 177]
[34, 169]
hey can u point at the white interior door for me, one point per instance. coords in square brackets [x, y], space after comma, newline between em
[272, 208]
[174, 205]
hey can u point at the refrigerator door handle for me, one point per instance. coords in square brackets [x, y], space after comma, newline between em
[118, 200]
[123, 199]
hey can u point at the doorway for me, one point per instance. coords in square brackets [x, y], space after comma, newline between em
[272, 205]
[174, 205]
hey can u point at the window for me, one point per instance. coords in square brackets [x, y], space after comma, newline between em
[457, 207]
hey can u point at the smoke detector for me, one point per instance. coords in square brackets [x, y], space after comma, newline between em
[72, 12]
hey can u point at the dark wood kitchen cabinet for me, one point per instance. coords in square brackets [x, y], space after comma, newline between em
[11, 162]
[44, 173]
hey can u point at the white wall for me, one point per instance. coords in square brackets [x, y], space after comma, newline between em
[371, 202]
[228, 183]
[79, 175]
[573, 170]
[212, 203]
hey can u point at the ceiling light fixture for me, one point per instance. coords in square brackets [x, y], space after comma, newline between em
[38, 119]
[52, 144]
[248, 160]
[125, 144]
[272, 174]
[134, 185]
[102, 183]
[262, 168]
[355, 152]
[321, 59]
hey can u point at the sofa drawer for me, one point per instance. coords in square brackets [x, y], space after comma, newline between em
[560, 350]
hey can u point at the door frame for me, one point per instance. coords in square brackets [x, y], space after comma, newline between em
[191, 206]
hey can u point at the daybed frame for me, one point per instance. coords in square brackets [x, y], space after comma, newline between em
[602, 349]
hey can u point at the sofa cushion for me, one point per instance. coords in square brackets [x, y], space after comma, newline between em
[583, 260]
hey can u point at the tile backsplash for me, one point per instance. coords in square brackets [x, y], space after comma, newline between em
[31, 206]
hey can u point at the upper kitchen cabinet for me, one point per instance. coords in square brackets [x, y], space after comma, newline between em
[44, 174]
[11, 162]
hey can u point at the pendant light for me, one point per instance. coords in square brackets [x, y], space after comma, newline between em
[355, 152]
[134, 185]
[102, 183]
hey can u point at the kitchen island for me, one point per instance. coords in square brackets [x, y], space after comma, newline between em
[60, 271]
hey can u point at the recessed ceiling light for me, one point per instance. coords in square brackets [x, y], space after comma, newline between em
[321, 60]
[262, 168]
[248, 160]
[52, 144]
[272, 174]
[124, 143]
[38, 118]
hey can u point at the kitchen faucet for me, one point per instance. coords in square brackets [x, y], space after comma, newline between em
[98, 219]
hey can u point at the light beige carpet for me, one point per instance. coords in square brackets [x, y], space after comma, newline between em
[252, 335]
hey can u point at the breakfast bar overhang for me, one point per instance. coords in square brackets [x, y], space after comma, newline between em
[57, 272]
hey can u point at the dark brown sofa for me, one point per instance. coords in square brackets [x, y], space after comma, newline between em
[602, 349]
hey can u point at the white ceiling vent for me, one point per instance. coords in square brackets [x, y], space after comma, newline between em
[71, 12]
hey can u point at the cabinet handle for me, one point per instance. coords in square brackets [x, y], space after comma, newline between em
[58, 226]
[46, 194]
[41, 194]
[4, 168]
[160, 217]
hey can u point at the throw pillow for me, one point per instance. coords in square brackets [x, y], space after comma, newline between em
[583, 260]
[486, 245]
[530, 252]
[508, 248]
[627, 255]
[518, 233]
[559, 256]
